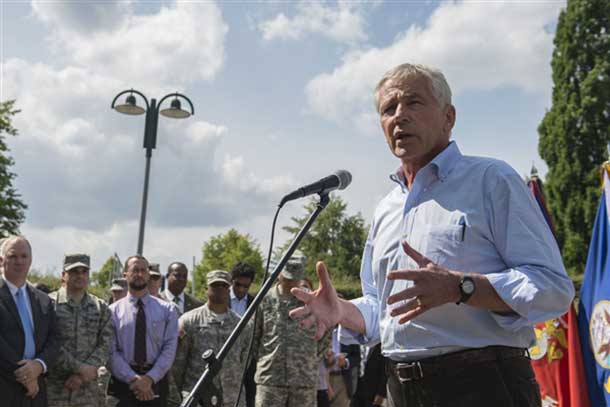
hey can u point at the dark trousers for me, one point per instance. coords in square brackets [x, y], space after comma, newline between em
[494, 376]
[323, 398]
[126, 398]
[250, 385]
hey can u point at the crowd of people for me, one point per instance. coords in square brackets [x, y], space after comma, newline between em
[143, 346]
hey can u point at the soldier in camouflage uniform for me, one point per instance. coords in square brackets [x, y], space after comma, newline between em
[84, 329]
[288, 356]
[208, 327]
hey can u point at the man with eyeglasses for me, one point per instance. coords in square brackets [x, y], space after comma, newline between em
[143, 346]
[176, 278]
[242, 275]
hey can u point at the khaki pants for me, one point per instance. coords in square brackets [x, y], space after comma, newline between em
[340, 397]
[275, 396]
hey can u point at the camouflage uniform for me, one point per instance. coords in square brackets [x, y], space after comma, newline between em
[202, 329]
[288, 356]
[84, 330]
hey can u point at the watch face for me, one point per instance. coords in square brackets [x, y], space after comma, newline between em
[468, 286]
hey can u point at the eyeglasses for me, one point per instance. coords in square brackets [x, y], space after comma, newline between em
[237, 284]
[155, 277]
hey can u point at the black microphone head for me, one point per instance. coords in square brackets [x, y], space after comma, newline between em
[345, 178]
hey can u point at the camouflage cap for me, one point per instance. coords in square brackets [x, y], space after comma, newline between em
[119, 284]
[72, 261]
[295, 267]
[154, 269]
[218, 275]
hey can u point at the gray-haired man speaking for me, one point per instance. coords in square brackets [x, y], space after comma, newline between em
[458, 266]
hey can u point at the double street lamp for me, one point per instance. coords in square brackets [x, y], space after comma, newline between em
[152, 111]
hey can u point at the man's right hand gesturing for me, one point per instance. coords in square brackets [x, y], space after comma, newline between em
[324, 309]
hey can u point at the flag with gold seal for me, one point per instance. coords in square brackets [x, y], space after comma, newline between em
[594, 305]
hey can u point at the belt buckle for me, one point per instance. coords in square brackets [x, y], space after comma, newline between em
[409, 371]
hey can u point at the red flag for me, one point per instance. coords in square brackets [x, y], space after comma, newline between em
[556, 356]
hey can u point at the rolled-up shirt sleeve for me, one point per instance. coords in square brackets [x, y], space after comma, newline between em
[535, 283]
[168, 350]
[368, 304]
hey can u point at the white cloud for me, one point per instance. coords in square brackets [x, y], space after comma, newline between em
[179, 44]
[83, 17]
[343, 23]
[478, 45]
[235, 172]
[80, 164]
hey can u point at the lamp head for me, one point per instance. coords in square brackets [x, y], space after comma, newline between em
[130, 107]
[175, 110]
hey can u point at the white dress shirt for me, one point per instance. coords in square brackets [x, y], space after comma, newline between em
[238, 306]
[180, 304]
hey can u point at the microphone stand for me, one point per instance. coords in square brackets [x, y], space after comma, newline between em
[204, 391]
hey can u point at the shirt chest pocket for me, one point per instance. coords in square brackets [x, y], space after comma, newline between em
[157, 331]
[443, 244]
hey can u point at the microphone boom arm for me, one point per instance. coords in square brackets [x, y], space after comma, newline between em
[204, 383]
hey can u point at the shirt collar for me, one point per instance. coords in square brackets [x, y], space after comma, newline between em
[234, 297]
[133, 300]
[62, 296]
[170, 296]
[12, 287]
[446, 160]
[443, 163]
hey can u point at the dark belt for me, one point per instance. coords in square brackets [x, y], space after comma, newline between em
[141, 370]
[444, 364]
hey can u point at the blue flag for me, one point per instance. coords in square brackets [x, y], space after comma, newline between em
[594, 306]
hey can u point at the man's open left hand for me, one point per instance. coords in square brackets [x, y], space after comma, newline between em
[433, 285]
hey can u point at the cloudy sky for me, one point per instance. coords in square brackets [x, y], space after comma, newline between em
[282, 94]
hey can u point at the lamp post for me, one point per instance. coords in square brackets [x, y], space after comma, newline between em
[152, 111]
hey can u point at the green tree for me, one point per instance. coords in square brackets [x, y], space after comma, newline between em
[51, 281]
[335, 238]
[12, 208]
[223, 251]
[103, 276]
[575, 131]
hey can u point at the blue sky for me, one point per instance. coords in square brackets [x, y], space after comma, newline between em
[282, 94]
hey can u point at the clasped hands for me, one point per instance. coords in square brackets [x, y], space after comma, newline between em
[141, 386]
[85, 374]
[432, 286]
[27, 374]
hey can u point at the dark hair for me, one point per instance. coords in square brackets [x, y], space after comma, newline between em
[242, 269]
[176, 263]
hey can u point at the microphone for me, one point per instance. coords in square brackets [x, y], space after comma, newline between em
[339, 180]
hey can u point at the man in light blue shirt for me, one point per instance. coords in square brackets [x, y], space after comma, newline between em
[458, 266]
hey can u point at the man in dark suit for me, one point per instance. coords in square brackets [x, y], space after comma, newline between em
[176, 278]
[242, 275]
[28, 340]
